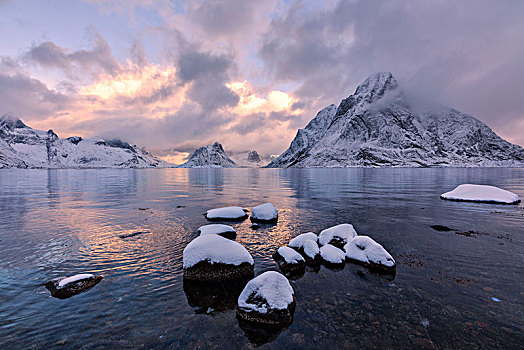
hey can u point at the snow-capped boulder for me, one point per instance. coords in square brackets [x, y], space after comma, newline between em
[481, 193]
[215, 258]
[211, 156]
[267, 299]
[306, 244]
[338, 235]
[218, 229]
[331, 255]
[378, 127]
[264, 213]
[289, 261]
[226, 214]
[66, 287]
[365, 251]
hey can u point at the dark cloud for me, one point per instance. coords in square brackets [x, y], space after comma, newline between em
[207, 74]
[29, 98]
[98, 59]
[466, 54]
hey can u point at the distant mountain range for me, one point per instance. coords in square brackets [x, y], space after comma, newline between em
[376, 127]
[24, 147]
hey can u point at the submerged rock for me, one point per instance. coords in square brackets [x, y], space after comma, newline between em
[218, 229]
[267, 299]
[215, 258]
[208, 297]
[66, 287]
[482, 194]
[441, 228]
[338, 235]
[264, 213]
[365, 251]
[226, 214]
[289, 261]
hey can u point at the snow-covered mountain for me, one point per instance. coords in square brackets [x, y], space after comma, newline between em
[377, 127]
[24, 147]
[211, 156]
[250, 159]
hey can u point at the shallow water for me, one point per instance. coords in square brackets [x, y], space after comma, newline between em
[63, 222]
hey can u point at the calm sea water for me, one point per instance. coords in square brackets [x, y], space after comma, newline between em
[62, 222]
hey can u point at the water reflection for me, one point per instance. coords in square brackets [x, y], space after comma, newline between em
[62, 222]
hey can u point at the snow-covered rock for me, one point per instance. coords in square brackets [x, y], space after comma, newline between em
[24, 147]
[289, 261]
[267, 299]
[215, 258]
[365, 251]
[226, 213]
[264, 213]
[337, 235]
[377, 127]
[481, 193]
[306, 244]
[332, 255]
[218, 229]
[66, 287]
[211, 156]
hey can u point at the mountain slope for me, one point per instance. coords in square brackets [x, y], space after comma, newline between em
[377, 127]
[211, 156]
[24, 147]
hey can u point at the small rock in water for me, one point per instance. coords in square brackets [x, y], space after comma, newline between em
[66, 287]
[497, 300]
[441, 228]
[267, 299]
[425, 323]
[132, 234]
[255, 226]
[264, 213]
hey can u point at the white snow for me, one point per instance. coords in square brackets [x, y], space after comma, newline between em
[211, 156]
[300, 240]
[215, 229]
[344, 231]
[290, 255]
[272, 287]
[332, 254]
[311, 249]
[266, 211]
[215, 249]
[74, 278]
[365, 249]
[226, 213]
[484, 193]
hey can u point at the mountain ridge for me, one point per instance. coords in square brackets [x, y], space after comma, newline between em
[376, 127]
[24, 147]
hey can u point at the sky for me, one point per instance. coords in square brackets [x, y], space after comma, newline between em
[172, 76]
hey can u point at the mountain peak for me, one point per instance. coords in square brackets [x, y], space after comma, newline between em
[11, 122]
[377, 127]
[211, 156]
[378, 83]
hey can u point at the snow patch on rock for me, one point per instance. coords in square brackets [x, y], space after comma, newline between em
[340, 234]
[367, 251]
[215, 249]
[481, 193]
[271, 291]
[332, 254]
[229, 213]
[215, 229]
[74, 278]
[290, 255]
[300, 240]
[264, 212]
